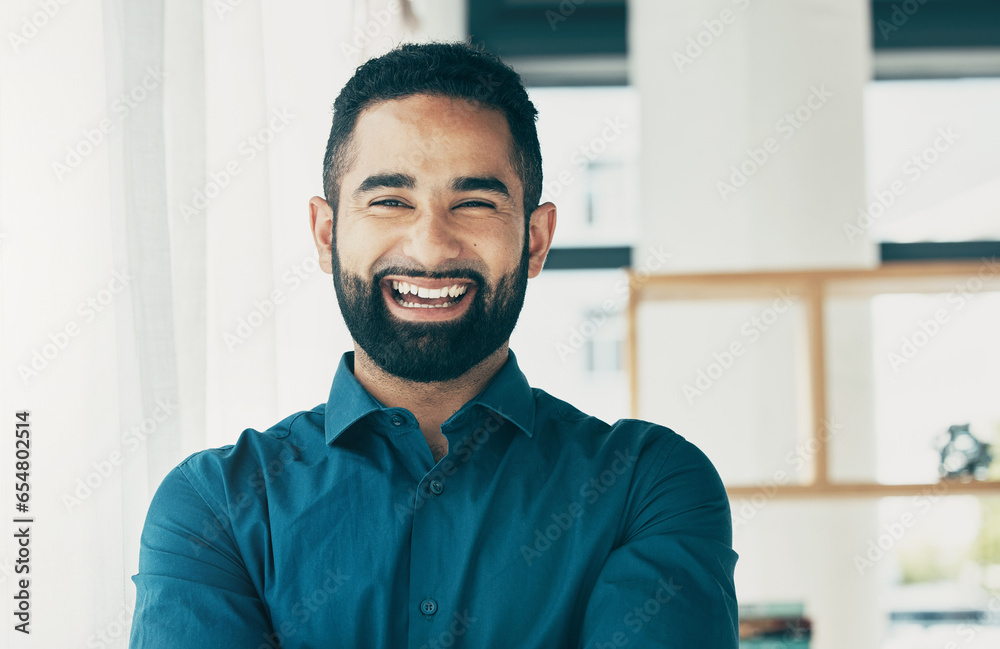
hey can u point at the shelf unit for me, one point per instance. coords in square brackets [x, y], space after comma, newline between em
[815, 287]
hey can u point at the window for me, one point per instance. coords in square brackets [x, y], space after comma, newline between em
[933, 172]
[571, 334]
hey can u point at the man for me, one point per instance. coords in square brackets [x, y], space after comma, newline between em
[437, 500]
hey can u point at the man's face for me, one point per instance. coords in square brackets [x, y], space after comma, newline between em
[431, 259]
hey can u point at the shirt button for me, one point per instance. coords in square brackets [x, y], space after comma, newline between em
[436, 487]
[428, 607]
[397, 420]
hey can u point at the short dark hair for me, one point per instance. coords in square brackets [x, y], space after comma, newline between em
[455, 70]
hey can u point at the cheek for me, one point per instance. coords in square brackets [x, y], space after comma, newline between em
[514, 246]
[359, 247]
[501, 239]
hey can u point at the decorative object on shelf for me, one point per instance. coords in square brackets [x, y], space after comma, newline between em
[962, 455]
[774, 626]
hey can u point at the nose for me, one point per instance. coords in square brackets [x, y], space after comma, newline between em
[432, 239]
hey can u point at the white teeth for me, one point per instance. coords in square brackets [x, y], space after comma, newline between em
[406, 288]
[415, 305]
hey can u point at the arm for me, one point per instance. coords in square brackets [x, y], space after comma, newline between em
[669, 583]
[192, 588]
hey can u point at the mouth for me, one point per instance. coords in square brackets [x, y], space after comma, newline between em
[418, 298]
[413, 295]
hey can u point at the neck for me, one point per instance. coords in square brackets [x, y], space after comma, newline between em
[431, 403]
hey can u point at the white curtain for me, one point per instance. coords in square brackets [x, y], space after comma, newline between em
[158, 285]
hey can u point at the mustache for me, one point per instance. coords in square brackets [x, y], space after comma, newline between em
[446, 272]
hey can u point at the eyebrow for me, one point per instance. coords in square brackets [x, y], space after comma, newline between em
[386, 181]
[406, 181]
[480, 184]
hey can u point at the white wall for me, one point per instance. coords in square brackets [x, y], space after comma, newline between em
[702, 113]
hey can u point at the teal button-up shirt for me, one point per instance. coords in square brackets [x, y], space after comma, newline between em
[542, 527]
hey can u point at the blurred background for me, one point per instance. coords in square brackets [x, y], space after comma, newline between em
[778, 230]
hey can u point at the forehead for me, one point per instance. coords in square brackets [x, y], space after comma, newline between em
[431, 134]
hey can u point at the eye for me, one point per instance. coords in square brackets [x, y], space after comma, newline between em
[476, 204]
[389, 202]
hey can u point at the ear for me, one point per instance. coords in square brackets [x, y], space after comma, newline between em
[541, 227]
[321, 221]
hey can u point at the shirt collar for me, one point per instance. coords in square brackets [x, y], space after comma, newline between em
[349, 402]
[507, 394]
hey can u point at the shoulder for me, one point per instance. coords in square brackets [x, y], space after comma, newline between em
[663, 467]
[555, 417]
[255, 457]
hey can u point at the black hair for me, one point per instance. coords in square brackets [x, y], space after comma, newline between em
[455, 70]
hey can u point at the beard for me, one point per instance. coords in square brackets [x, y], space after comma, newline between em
[426, 352]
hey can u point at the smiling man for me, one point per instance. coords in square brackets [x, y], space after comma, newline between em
[437, 500]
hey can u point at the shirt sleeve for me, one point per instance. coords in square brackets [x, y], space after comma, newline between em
[669, 582]
[192, 588]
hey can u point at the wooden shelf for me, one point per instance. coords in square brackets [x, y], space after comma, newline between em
[813, 288]
[865, 490]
